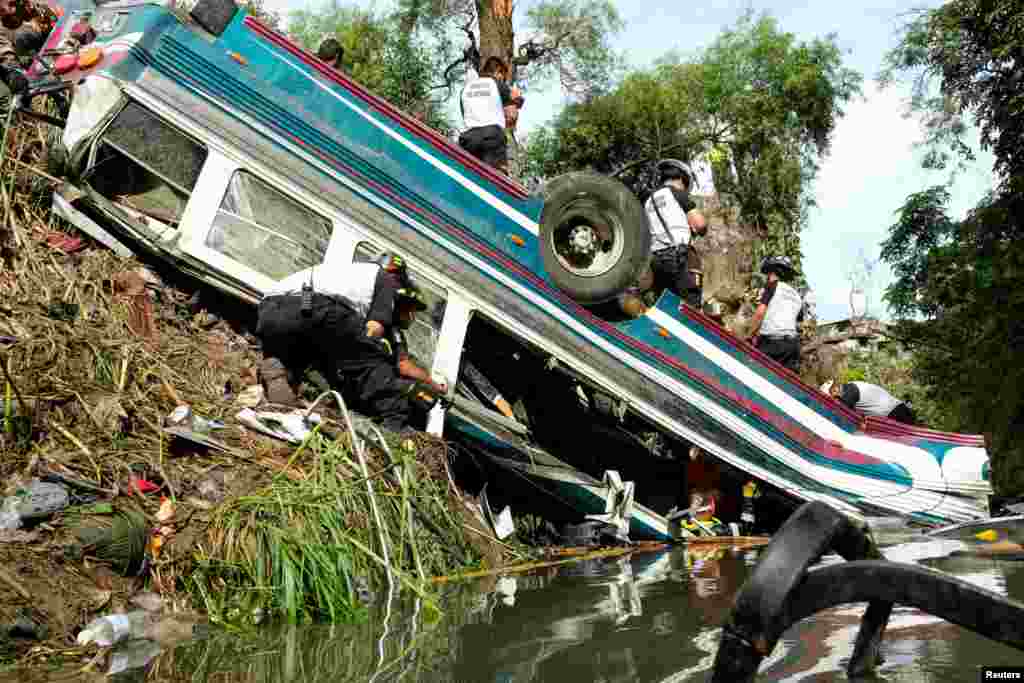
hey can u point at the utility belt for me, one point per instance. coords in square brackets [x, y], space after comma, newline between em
[688, 257]
[309, 299]
[780, 337]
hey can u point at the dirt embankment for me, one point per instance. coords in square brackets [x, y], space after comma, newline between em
[96, 351]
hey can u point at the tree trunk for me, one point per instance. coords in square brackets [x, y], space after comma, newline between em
[495, 23]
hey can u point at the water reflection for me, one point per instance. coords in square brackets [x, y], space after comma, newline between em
[649, 617]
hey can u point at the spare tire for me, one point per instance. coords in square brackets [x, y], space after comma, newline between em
[594, 239]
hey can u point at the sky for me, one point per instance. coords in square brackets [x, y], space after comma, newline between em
[873, 164]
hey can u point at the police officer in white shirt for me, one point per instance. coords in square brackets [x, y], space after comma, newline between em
[348, 322]
[484, 100]
[674, 220]
[871, 399]
[774, 327]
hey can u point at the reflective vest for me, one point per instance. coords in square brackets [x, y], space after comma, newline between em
[674, 219]
[481, 104]
[783, 309]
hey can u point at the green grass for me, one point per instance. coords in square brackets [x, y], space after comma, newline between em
[300, 549]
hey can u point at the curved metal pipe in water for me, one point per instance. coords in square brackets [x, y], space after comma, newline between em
[781, 591]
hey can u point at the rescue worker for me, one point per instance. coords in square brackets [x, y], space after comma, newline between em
[870, 399]
[484, 101]
[774, 327]
[348, 322]
[674, 220]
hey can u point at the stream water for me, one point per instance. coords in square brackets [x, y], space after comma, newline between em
[650, 617]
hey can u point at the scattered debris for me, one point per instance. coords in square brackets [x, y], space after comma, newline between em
[113, 628]
[250, 397]
[141, 320]
[293, 427]
[148, 601]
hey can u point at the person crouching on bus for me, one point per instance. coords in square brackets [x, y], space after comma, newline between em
[350, 323]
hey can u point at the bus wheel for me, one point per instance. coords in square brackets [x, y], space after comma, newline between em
[594, 238]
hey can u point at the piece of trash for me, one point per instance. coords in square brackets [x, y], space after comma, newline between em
[10, 518]
[142, 486]
[293, 427]
[147, 600]
[156, 543]
[41, 499]
[64, 242]
[141, 320]
[506, 588]
[4, 339]
[229, 391]
[503, 524]
[133, 654]
[166, 511]
[118, 539]
[196, 438]
[113, 628]
[250, 397]
[63, 310]
[182, 416]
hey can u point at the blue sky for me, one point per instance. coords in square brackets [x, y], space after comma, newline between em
[873, 164]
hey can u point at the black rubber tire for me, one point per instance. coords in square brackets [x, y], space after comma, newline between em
[214, 15]
[574, 197]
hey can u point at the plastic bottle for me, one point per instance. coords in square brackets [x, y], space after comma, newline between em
[10, 518]
[113, 628]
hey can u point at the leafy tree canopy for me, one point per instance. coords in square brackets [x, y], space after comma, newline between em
[960, 284]
[569, 39]
[758, 104]
[401, 67]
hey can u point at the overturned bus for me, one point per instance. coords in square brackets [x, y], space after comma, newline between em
[215, 143]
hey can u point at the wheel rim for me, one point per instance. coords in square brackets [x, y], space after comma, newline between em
[587, 241]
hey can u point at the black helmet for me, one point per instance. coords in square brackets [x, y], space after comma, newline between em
[673, 168]
[780, 264]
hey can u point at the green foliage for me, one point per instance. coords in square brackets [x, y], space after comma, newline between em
[573, 38]
[960, 284]
[900, 377]
[400, 67]
[965, 58]
[301, 547]
[758, 105]
[567, 39]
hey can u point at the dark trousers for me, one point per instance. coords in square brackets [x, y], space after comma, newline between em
[903, 413]
[784, 350]
[370, 381]
[671, 273]
[487, 144]
[333, 339]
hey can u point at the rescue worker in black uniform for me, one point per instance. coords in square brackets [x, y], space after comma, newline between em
[774, 327]
[349, 324]
[674, 220]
